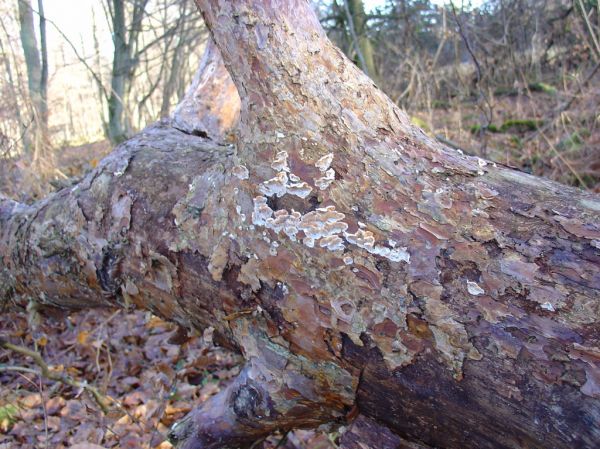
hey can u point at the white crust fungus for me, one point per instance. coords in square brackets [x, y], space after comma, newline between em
[474, 289]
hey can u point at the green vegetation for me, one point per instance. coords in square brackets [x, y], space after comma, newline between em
[417, 121]
[572, 142]
[8, 415]
[543, 87]
[517, 126]
[476, 129]
[504, 91]
[520, 125]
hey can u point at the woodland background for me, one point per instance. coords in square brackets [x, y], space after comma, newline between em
[514, 81]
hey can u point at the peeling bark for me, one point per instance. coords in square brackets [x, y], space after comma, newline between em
[352, 260]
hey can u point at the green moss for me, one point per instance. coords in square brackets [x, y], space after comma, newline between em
[543, 87]
[476, 129]
[420, 123]
[440, 104]
[505, 92]
[520, 125]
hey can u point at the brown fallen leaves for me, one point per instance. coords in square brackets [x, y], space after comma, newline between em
[147, 381]
[149, 371]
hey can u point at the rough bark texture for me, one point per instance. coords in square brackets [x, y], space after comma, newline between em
[211, 106]
[354, 262]
[365, 433]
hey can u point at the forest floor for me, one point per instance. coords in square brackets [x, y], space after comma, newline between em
[150, 374]
[531, 130]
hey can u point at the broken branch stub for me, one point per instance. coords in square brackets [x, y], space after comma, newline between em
[211, 105]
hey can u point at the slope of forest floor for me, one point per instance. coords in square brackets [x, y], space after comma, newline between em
[530, 130]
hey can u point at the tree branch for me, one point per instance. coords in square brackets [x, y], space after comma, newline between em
[49, 374]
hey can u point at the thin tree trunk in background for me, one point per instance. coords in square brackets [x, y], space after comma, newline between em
[125, 60]
[119, 75]
[44, 74]
[98, 78]
[356, 264]
[37, 72]
[13, 85]
[174, 69]
[358, 23]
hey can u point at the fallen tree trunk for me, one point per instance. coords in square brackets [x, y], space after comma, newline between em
[356, 264]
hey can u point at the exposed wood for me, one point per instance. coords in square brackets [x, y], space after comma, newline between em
[352, 260]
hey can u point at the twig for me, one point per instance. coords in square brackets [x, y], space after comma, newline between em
[361, 58]
[565, 105]
[489, 114]
[48, 374]
[282, 440]
[590, 29]
[41, 389]
[77, 55]
[565, 161]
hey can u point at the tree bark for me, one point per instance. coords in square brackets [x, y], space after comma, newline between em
[355, 263]
[211, 106]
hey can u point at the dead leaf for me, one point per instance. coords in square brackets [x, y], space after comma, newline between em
[82, 337]
[86, 446]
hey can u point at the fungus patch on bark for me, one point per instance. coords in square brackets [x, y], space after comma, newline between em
[300, 189]
[324, 163]
[285, 181]
[280, 162]
[548, 306]
[261, 212]
[276, 186]
[324, 227]
[474, 289]
[240, 172]
[324, 182]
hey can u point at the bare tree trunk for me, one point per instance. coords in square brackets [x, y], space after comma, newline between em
[125, 61]
[37, 70]
[355, 263]
[44, 74]
[357, 22]
[121, 70]
[175, 66]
